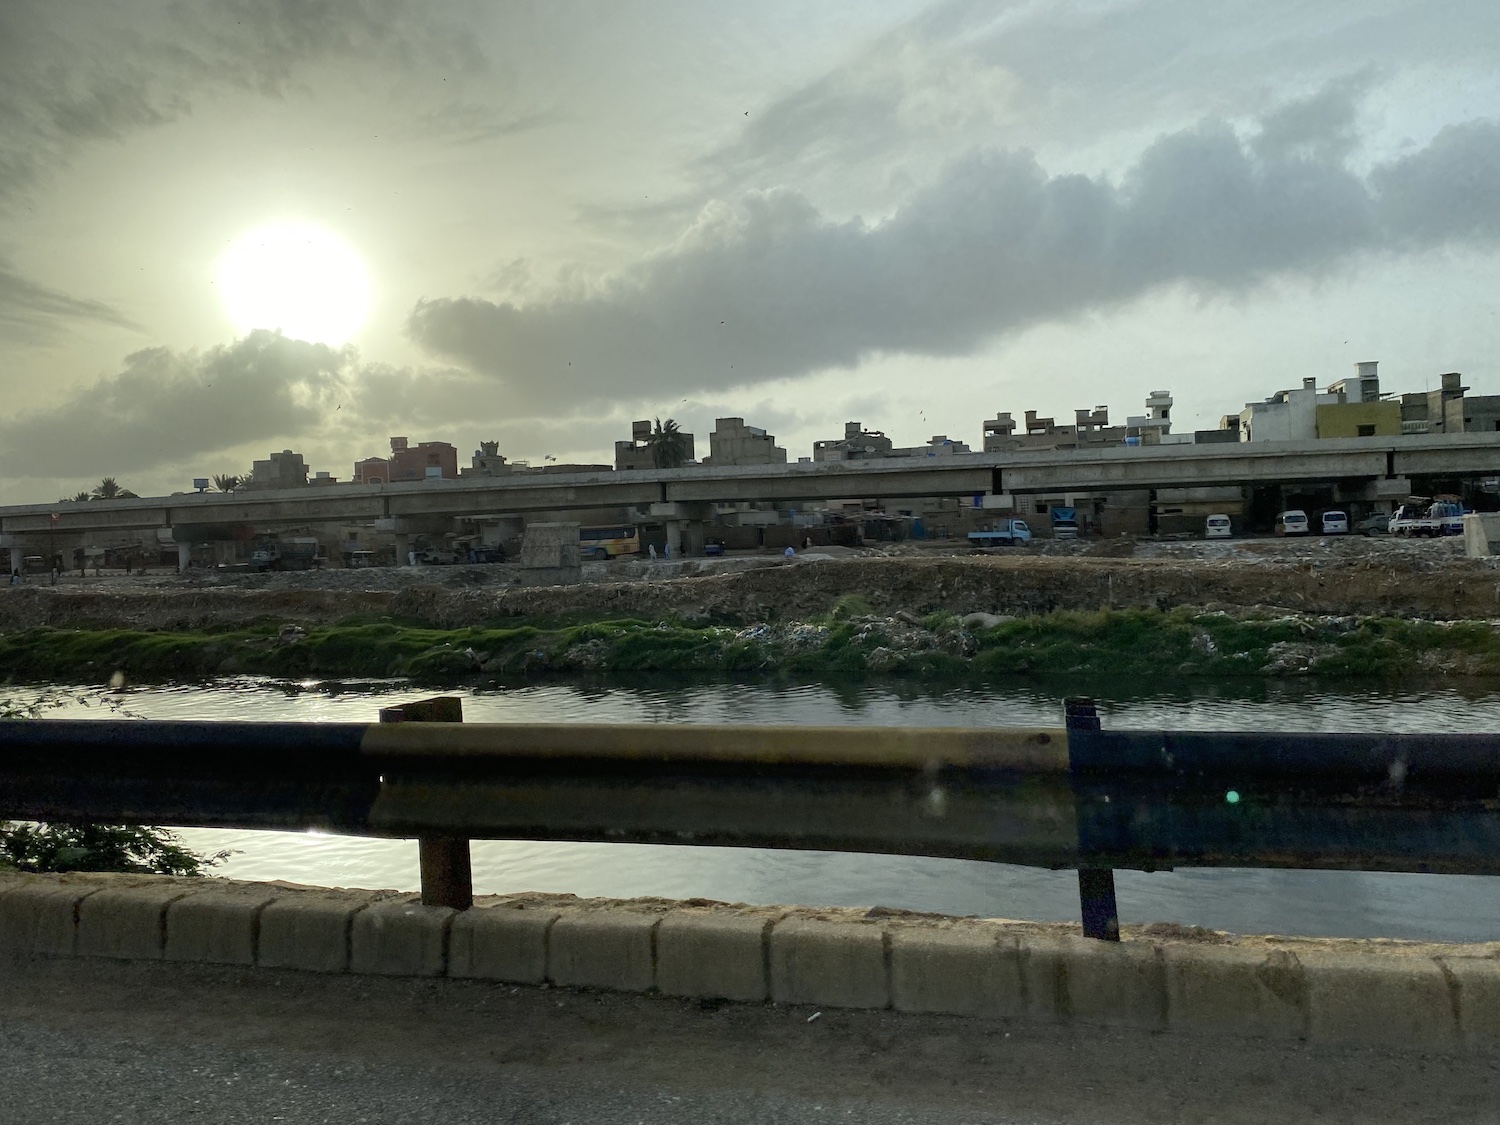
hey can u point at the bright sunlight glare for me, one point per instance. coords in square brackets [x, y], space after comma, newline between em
[296, 278]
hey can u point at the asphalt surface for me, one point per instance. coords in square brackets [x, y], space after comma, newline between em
[93, 1041]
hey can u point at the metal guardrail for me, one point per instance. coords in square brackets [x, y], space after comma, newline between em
[1068, 797]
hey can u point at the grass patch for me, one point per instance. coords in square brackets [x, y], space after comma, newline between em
[1126, 643]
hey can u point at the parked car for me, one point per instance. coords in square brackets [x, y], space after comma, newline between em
[713, 548]
[1217, 527]
[1005, 533]
[1292, 522]
[1335, 523]
[1378, 524]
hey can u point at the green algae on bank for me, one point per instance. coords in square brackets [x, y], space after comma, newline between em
[849, 642]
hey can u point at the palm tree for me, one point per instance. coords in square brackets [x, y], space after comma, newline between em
[81, 498]
[669, 447]
[226, 482]
[109, 489]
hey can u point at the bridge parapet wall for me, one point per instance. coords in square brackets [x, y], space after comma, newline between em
[1418, 996]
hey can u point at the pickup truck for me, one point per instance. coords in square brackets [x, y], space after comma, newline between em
[1415, 520]
[1005, 533]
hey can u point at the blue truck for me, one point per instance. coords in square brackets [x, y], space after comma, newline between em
[1064, 522]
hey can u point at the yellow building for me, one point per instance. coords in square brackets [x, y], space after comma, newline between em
[1359, 419]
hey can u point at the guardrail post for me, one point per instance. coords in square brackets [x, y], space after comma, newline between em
[1096, 885]
[447, 873]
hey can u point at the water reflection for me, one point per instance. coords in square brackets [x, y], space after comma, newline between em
[1434, 907]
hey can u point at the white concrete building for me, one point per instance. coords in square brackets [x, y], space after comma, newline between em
[1286, 415]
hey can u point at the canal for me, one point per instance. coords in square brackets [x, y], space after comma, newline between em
[1339, 904]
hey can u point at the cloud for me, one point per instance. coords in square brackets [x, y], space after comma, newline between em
[99, 71]
[35, 314]
[1068, 73]
[770, 287]
[165, 406]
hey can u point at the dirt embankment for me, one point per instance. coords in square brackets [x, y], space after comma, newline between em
[1431, 581]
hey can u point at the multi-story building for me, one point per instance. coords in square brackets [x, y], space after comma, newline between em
[1285, 416]
[280, 470]
[856, 443]
[637, 454]
[734, 443]
[428, 460]
[1090, 428]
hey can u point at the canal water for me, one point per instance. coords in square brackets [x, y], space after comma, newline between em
[1341, 904]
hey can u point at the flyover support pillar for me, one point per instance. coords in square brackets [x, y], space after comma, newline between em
[403, 549]
[184, 557]
[17, 559]
[674, 538]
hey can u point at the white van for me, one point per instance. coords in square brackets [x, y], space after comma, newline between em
[1217, 527]
[1293, 522]
[1335, 523]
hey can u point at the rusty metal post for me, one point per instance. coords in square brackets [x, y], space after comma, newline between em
[447, 873]
[1096, 885]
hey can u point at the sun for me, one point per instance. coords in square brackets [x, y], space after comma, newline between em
[296, 278]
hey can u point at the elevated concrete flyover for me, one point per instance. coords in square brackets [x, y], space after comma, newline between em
[1176, 466]
[483, 497]
[1086, 470]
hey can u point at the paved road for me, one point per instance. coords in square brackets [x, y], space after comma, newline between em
[93, 1042]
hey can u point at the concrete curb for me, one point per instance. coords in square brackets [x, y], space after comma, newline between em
[1406, 994]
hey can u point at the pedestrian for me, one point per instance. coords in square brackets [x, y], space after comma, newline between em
[652, 548]
[790, 552]
[54, 574]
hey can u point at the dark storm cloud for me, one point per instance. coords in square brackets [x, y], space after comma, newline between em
[165, 406]
[33, 313]
[772, 288]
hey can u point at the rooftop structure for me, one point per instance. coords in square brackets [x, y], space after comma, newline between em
[280, 470]
[734, 443]
[428, 460]
[856, 443]
[637, 454]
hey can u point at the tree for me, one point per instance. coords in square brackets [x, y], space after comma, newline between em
[668, 444]
[109, 489]
[226, 482]
[98, 847]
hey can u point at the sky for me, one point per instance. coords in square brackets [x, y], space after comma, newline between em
[233, 227]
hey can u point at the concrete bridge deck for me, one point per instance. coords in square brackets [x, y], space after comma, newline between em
[1088, 470]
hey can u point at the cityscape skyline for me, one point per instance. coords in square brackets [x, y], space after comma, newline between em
[537, 226]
